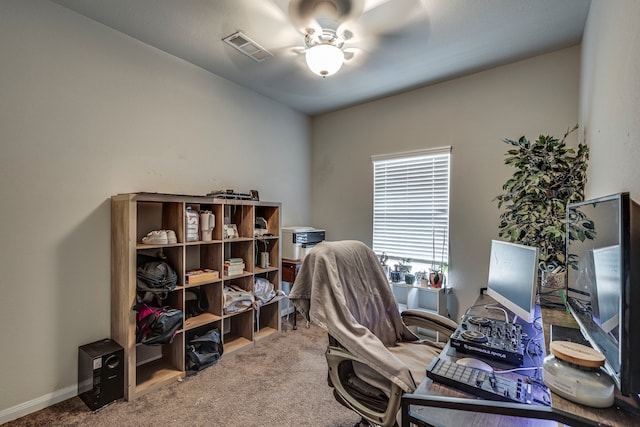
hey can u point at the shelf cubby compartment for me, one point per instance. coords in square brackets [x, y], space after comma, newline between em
[271, 214]
[420, 297]
[267, 320]
[237, 330]
[216, 210]
[213, 314]
[405, 296]
[433, 299]
[151, 216]
[157, 366]
[173, 255]
[240, 249]
[240, 214]
[207, 255]
[271, 245]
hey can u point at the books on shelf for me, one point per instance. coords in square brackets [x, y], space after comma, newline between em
[234, 266]
[233, 272]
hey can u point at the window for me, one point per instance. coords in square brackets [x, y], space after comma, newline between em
[411, 206]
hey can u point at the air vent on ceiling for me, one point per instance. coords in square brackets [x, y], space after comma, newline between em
[247, 46]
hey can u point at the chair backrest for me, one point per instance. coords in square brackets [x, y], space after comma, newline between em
[342, 288]
[349, 275]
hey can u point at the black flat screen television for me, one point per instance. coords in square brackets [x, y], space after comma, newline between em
[603, 282]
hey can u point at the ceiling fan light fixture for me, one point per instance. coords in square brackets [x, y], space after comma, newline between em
[324, 59]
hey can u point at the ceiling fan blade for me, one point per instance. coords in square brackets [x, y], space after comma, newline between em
[281, 8]
[289, 51]
[349, 54]
[304, 13]
[388, 16]
[347, 29]
[275, 9]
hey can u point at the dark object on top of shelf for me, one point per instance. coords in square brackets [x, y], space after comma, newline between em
[254, 195]
[155, 193]
[229, 194]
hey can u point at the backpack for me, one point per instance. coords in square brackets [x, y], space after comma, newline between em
[203, 351]
[195, 302]
[154, 280]
[157, 325]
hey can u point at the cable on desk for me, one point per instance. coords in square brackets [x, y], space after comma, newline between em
[473, 306]
[531, 352]
[489, 307]
[538, 351]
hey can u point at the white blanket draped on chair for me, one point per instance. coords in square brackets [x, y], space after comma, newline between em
[342, 288]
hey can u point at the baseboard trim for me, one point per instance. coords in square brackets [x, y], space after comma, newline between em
[38, 403]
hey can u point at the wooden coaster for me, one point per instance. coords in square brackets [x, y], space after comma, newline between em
[577, 354]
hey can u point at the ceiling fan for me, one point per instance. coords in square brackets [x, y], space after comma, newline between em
[335, 30]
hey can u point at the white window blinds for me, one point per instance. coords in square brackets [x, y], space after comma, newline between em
[411, 205]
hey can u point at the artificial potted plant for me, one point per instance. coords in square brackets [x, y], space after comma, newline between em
[549, 175]
[436, 276]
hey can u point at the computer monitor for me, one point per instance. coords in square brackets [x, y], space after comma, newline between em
[513, 275]
[603, 282]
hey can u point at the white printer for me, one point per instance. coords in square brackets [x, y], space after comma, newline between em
[298, 241]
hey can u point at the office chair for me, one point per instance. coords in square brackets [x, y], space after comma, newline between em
[372, 356]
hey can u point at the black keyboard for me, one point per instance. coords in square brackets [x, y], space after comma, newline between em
[482, 384]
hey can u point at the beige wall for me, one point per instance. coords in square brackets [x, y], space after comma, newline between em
[610, 97]
[472, 115]
[85, 113]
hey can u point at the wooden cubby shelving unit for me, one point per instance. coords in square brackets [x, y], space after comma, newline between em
[132, 217]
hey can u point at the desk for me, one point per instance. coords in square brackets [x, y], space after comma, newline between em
[418, 407]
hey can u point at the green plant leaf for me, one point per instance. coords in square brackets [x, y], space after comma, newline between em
[547, 176]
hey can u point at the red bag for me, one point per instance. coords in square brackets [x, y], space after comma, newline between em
[157, 325]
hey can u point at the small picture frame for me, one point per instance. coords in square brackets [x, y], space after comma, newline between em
[254, 195]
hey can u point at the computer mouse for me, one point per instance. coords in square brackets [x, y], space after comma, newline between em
[474, 363]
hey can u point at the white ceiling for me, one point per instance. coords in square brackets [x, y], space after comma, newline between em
[396, 45]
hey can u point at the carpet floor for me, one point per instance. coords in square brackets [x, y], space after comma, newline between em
[279, 381]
